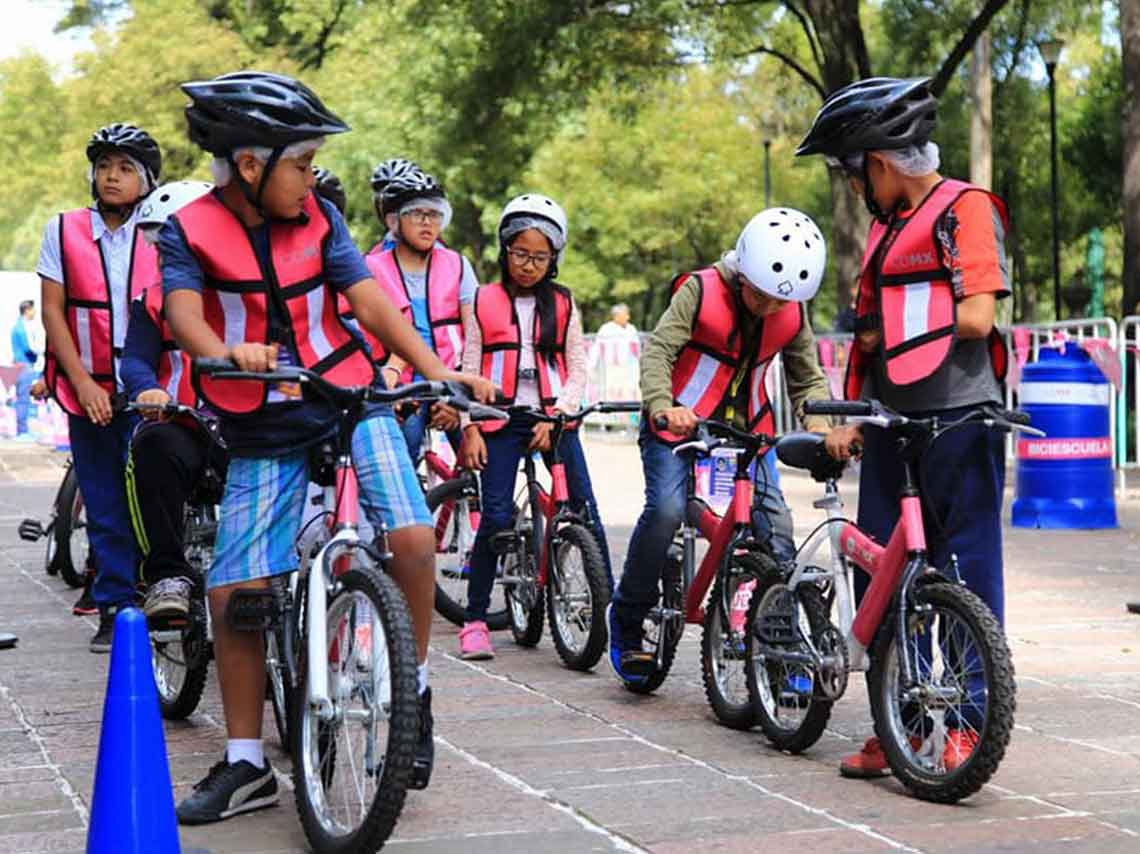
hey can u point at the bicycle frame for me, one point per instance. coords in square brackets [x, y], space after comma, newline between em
[553, 506]
[722, 533]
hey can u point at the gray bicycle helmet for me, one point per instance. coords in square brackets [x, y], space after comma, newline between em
[414, 185]
[391, 170]
[330, 187]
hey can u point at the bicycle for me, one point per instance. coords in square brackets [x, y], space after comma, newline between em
[551, 565]
[735, 559]
[453, 499]
[66, 532]
[181, 647]
[356, 706]
[799, 660]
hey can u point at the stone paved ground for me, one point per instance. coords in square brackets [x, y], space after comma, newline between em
[534, 758]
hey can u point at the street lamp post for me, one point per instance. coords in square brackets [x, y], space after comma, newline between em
[767, 174]
[1050, 54]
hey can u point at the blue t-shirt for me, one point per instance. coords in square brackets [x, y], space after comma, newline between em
[142, 350]
[292, 426]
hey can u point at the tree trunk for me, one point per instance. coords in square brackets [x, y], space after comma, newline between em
[981, 114]
[848, 236]
[1130, 53]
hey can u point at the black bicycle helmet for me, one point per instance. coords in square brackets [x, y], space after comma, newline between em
[130, 140]
[415, 185]
[876, 114]
[329, 186]
[391, 170]
[255, 108]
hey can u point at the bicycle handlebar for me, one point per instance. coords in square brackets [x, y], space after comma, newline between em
[173, 410]
[454, 394]
[853, 408]
[725, 434]
[604, 406]
[874, 412]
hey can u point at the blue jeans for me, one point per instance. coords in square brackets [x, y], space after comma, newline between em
[414, 427]
[100, 455]
[962, 478]
[505, 449]
[666, 480]
[23, 398]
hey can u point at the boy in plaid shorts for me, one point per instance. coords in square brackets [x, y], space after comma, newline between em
[251, 272]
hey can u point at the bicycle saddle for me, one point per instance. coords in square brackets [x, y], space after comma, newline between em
[806, 451]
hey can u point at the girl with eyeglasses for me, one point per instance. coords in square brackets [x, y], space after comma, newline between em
[525, 335]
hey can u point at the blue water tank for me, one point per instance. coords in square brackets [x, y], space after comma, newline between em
[1065, 480]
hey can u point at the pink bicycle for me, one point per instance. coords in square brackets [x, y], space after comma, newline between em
[938, 667]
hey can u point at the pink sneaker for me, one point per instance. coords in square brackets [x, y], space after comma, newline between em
[475, 642]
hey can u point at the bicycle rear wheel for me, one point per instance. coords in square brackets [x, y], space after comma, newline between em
[945, 736]
[180, 658]
[454, 505]
[664, 632]
[352, 766]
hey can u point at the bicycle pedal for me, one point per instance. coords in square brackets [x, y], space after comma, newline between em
[251, 610]
[31, 530]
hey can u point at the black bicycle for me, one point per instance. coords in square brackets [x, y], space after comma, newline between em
[68, 554]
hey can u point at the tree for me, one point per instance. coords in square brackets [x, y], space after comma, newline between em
[1130, 133]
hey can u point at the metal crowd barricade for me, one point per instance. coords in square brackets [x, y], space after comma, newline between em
[1128, 396]
[613, 373]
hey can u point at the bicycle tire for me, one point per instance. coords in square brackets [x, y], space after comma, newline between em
[394, 769]
[178, 701]
[68, 519]
[597, 586]
[526, 623]
[735, 715]
[1000, 690]
[670, 634]
[446, 605]
[282, 696]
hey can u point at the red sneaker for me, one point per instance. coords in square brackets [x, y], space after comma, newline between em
[870, 761]
[960, 744]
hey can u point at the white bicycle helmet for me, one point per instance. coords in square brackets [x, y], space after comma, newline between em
[534, 205]
[781, 253]
[167, 199]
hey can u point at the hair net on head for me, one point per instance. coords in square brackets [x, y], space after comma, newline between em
[145, 185]
[431, 204]
[731, 263]
[912, 161]
[222, 172]
[518, 224]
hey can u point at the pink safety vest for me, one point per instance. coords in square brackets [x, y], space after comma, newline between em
[706, 365]
[444, 274]
[89, 308]
[174, 368]
[502, 343]
[235, 301]
[908, 281]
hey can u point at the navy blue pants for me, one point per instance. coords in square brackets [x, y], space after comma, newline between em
[100, 455]
[505, 449]
[962, 477]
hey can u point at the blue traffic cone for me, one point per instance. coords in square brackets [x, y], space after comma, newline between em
[132, 809]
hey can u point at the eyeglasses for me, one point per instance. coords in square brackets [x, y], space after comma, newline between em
[522, 258]
[421, 215]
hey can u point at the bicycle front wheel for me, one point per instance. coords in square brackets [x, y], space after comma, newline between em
[945, 735]
[577, 593]
[70, 532]
[353, 762]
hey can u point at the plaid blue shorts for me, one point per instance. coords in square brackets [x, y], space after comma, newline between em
[265, 497]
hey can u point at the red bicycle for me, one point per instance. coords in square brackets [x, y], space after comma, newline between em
[549, 557]
[735, 559]
[939, 674]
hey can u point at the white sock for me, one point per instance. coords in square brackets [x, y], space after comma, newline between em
[421, 677]
[249, 749]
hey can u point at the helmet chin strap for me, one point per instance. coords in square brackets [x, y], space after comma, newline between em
[869, 194]
[255, 198]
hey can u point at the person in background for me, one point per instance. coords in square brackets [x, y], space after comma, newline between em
[618, 326]
[25, 355]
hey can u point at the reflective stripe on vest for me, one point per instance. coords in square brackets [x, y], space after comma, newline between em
[88, 305]
[235, 300]
[499, 361]
[908, 280]
[444, 273]
[174, 369]
[707, 364]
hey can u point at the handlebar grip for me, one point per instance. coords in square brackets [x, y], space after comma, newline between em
[210, 365]
[1014, 416]
[661, 422]
[619, 406]
[481, 412]
[839, 407]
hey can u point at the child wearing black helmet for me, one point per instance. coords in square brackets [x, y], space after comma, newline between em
[251, 272]
[92, 263]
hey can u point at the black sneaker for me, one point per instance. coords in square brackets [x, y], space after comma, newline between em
[101, 642]
[229, 790]
[425, 750]
[85, 606]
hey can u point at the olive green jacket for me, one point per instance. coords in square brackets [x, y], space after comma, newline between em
[804, 377]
